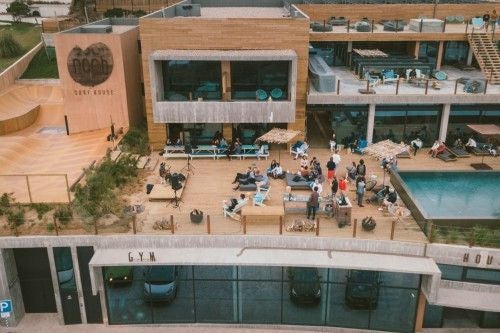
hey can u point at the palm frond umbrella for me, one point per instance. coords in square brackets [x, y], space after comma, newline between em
[387, 149]
[279, 136]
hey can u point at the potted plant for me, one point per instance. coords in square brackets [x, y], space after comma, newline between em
[196, 216]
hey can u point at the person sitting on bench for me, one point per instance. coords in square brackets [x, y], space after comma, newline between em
[253, 179]
[379, 197]
[261, 180]
[471, 145]
[249, 174]
[390, 199]
[277, 171]
[271, 167]
[439, 150]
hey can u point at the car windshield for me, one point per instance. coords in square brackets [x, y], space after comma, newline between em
[305, 274]
[363, 276]
[161, 274]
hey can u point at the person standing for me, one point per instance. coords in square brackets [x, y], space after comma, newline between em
[335, 186]
[416, 145]
[486, 20]
[360, 190]
[343, 184]
[313, 204]
[330, 165]
[333, 143]
[494, 19]
[361, 168]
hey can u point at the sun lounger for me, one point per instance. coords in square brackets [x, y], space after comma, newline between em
[447, 156]
[458, 152]
[302, 184]
[480, 152]
[405, 154]
[234, 213]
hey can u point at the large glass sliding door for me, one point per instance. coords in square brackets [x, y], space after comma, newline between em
[461, 115]
[262, 295]
[406, 122]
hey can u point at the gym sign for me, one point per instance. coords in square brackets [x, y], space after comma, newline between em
[141, 256]
[91, 66]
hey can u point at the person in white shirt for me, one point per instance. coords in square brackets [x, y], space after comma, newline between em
[333, 143]
[471, 144]
[416, 145]
[317, 184]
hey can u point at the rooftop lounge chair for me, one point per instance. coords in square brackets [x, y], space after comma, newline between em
[458, 152]
[234, 213]
[261, 196]
[361, 147]
[447, 156]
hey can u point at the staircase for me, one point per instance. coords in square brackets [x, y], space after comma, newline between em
[487, 55]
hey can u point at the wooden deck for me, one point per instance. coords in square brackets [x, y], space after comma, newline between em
[211, 185]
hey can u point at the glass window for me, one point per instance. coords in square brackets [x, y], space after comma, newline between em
[184, 79]
[461, 115]
[482, 275]
[395, 310]
[348, 122]
[405, 123]
[433, 316]
[342, 315]
[251, 80]
[390, 279]
[490, 320]
[455, 52]
[194, 133]
[451, 272]
[427, 52]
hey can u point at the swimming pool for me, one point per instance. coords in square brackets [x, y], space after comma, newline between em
[451, 197]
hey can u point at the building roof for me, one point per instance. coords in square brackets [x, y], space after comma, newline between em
[242, 12]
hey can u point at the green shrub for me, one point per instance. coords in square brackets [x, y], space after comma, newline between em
[51, 227]
[5, 203]
[135, 141]
[115, 12]
[41, 209]
[454, 235]
[64, 214]
[15, 217]
[9, 47]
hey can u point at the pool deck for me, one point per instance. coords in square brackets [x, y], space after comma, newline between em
[211, 184]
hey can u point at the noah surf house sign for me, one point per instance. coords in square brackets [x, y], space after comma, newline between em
[91, 66]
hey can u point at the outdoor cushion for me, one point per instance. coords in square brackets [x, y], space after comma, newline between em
[300, 185]
[261, 95]
[248, 187]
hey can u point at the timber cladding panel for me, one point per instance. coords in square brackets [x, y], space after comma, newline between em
[378, 12]
[224, 34]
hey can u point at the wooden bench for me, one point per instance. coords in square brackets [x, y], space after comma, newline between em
[262, 211]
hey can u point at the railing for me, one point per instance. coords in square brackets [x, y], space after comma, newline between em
[36, 188]
[14, 71]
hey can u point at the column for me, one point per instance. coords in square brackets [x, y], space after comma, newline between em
[470, 55]
[227, 131]
[419, 318]
[55, 285]
[78, 281]
[439, 55]
[226, 80]
[443, 127]
[349, 53]
[10, 287]
[417, 50]
[371, 123]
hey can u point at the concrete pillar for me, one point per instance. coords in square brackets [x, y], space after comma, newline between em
[419, 318]
[439, 55]
[10, 287]
[227, 131]
[417, 50]
[470, 55]
[371, 123]
[349, 53]
[443, 127]
[55, 285]
[78, 281]
[226, 80]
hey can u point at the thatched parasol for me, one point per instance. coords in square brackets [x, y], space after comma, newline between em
[386, 148]
[488, 131]
[280, 136]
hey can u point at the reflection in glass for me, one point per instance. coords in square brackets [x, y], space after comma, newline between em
[405, 123]
[349, 122]
[184, 79]
[251, 80]
[461, 115]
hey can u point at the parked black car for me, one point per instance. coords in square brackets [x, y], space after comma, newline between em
[119, 275]
[160, 283]
[305, 287]
[362, 289]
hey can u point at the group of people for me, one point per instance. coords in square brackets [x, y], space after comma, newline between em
[252, 176]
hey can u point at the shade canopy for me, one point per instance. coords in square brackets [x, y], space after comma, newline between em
[386, 148]
[490, 130]
[279, 135]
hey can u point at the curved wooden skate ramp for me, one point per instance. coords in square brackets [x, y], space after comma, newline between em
[20, 105]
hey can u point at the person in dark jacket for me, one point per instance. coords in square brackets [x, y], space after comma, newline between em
[335, 186]
[361, 169]
[330, 165]
[313, 204]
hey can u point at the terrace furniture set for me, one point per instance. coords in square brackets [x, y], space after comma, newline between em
[215, 152]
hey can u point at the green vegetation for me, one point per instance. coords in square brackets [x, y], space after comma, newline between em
[14, 211]
[43, 65]
[120, 12]
[9, 47]
[41, 209]
[18, 9]
[26, 34]
[98, 196]
[135, 141]
[64, 214]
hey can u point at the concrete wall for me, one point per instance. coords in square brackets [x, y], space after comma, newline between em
[118, 98]
[14, 71]
[10, 287]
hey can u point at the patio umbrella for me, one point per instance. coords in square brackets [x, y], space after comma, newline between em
[488, 131]
[280, 136]
[387, 149]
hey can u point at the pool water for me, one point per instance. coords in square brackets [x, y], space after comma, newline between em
[455, 194]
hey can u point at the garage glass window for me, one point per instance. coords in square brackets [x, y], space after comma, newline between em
[261, 295]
